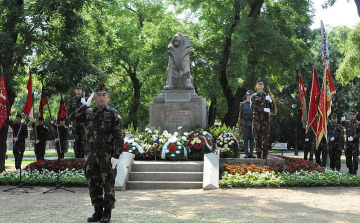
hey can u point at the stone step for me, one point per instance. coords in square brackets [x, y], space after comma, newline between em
[167, 166]
[144, 185]
[165, 176]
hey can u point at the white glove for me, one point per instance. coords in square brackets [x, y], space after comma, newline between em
[51, 122]
[34, 120]
[350, 138]
[15, 139]
[306, 140]
[70, 126]
[114, 162]
[37, 141]
[57, 140]
[88, 102]
[332, 139]
[83, 101]
[343, 118]
[268, 98]
[267, 110]
[10, 118]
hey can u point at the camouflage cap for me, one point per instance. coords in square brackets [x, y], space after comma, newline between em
[353, 111]
[333, 115]
[78, 86]
[249, 92]
[18, 115]
[41, 118]
[260, 80]
[101, 89]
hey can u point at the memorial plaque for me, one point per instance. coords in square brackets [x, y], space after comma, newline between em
[177, 117]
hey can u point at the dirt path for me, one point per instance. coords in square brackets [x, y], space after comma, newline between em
[322, 204]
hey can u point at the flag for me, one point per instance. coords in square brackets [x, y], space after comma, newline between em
[325, 59]
[302, 94]
[29, 108]
[3, 101]
[62, 111]
[43, 102]
[313, 104]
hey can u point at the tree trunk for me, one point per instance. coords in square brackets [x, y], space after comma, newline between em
[357, 3]
[212, 112]
[136, 99]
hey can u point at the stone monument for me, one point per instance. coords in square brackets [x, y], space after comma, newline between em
[178, 105]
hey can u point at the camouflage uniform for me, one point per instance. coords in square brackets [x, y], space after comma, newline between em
[19, 145]
[78, 129]
[104, 129]
[335, 146]
[42, 133]
[261, 122]
[352, 147]
[321, 153]
[309, 145]
[61, 132]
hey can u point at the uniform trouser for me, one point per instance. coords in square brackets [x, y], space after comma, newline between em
[100, 177]
[79, 143]
[40, 150]
[335, 156]
[321, 155]
[248, 137]
[261, 134]
[18, 151]
[352, 155]
[61, 149]
[308, 149]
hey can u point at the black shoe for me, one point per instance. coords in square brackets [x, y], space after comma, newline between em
[106, 216]
[350, 170]
[264, 157]
[97, 216]
[247, 156]
[258, 156]
[338, 169]
[252, 156]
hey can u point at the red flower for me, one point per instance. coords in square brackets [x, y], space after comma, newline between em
[196, 146]
[126, 147]
[172, 147]
[202, 145]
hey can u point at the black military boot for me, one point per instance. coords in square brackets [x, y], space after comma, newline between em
[97, 215]
[338, 169]
[354, 170]
[106, 216]
[350, 170]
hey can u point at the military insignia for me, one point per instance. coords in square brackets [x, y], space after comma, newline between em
[118, 115]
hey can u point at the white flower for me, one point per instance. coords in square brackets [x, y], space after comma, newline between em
[140, 136]
[179, 147]
[232, 141]
[183, 138]
[226, 146]
[150, 131]
[167, 151]
[220, 143]
[161, 140]
[172, 154]
[177, 152]
[180, 127]
[156, 131]
[176, 133]
[165, 132]
[186, 133]
[130, 151]
[178, 143]
[147, 129]
[133, 148]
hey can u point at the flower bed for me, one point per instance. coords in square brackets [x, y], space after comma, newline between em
[54, 165]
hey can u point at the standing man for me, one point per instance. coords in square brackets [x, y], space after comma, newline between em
[352, 141]
[321, 153]
[21, 133]
[245, 125]
[105, 140]
[40, 143]
[78, 129]
[309, 144]
[334, 140]
[260, 105]
[61, 134]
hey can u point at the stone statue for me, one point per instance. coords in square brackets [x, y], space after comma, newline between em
[178, 71]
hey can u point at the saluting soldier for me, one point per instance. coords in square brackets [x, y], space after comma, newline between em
[104, 144]
[309, 145]
[246, 116]
[260, 105]
[40, 143]
[61, 134]
[352, 127]
[334, 143]
[21, 133]
[78, 129]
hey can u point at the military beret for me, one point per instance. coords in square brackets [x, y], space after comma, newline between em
[260, 80]
[41, 119]
[333, 115]
[353, 111]
[78, 86]
[63, 119]
[18, 115]
[101, 89]
[249, 92]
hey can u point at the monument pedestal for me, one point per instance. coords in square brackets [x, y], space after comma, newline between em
[175, 108]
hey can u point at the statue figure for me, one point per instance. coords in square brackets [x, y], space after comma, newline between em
[178, 71]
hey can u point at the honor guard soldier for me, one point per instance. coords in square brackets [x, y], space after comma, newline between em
[309, 145]
[246, 117]
[104, 144]
[352, 127]
[78, 129]
[260, 105]
[334, 143]
[21, 133]
[40, 144]
[61, 134]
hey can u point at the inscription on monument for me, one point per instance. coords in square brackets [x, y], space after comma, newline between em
[177, 117]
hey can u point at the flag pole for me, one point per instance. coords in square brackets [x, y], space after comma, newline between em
[35, 129]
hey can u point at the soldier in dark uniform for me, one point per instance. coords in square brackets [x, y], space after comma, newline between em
[21, 133]
[78, 129]
[321, 152]
[61, 134]
[104, 144]
[309, 145]
[40, 144]
[246, 116]
[334, 143]
[260, 105]
[352, 127]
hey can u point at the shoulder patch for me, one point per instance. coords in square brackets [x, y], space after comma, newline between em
[118, 115]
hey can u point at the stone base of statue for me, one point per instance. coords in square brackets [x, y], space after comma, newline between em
[174, 108]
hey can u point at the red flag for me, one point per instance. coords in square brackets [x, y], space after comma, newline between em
[62, 110]
[43, 102]
[28, 109]
[302, 100]
[3, 101]
[313, 104]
